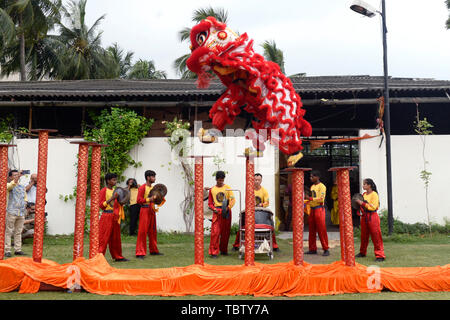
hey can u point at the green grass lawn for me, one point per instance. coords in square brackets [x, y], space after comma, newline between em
[178, 249]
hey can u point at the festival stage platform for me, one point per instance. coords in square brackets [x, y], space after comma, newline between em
[283, 279]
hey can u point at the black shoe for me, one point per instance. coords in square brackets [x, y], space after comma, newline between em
[224, 253]
[140, 257]
[235, 248]
[121, 260]
[8, 254]
[20, 253]
[156, 253]
[276, 249]
[379, 259]
[326, 253]
[214, 256]
[311, 252]
[360, 255]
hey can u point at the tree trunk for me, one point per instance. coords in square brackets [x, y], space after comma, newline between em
[23, 73]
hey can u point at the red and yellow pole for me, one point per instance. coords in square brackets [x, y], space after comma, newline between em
[96, 160]
[250, 211]
[345, 212]
[80, 206]
[3, 194]
[41, 190]
[298, 197]
[199, 214]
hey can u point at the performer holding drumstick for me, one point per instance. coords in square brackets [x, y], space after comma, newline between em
[109, 225]
[147, 217]
[370, 221]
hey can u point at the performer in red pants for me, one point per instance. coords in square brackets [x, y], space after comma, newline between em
[316, 219]
[109, 224]
[370, 221]
[261, 200]
[147, 218]
[221, 220]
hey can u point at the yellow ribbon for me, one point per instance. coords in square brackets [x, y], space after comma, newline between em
[121, 214]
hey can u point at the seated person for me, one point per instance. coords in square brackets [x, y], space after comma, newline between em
[261, 200]
[28, 224]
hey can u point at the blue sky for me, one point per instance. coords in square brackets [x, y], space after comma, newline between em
[320, 37]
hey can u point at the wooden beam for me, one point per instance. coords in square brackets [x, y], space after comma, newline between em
[171, 104]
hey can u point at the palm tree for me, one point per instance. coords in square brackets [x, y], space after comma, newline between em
[24, 24]
[82, 55]
[144, 69]
[272, 53]
[200, 14]
[122, 63]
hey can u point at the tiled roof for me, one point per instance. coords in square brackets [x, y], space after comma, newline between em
[156, 89]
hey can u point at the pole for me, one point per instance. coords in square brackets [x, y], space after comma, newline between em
[39, 219]
[95, 199]
[387, 124]
[80, 205]
[3, 194]
[250, 212]
[199, 241]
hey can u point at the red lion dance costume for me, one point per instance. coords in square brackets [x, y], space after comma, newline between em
[250, 80]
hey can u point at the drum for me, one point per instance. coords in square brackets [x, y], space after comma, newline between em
[159, 190]
[262, 216]
[123, 195]
[356, 196]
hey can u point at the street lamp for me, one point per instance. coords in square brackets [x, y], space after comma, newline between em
[365, 9]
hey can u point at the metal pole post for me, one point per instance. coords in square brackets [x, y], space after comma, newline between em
[387, 124]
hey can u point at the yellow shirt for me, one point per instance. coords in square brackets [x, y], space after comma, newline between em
[133, 195]
[218, 195]
[318, 192]
[373, 201]
[109, 193]
[262, 197]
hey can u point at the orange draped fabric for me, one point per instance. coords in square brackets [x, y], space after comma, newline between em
[281, 279]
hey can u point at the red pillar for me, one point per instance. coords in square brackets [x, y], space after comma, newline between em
[345, 206]
[341, 220]
[96, 160]
[3, 194]
[199, 238]
[298, 196]
[250, 212]
[39, 217]
[80, 206]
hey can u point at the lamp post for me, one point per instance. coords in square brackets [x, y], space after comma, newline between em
[363, 8]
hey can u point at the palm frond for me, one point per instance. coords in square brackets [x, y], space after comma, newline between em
[220, 14]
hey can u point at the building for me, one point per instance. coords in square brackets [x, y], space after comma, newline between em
[337, 107]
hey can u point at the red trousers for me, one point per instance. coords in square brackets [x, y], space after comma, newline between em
[220, 234]
[147, 227]
[370, 226]
[109, 230]
[274, 240]
[316, 222]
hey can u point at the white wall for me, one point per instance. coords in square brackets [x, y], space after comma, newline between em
[155, 154]
[409, 203]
